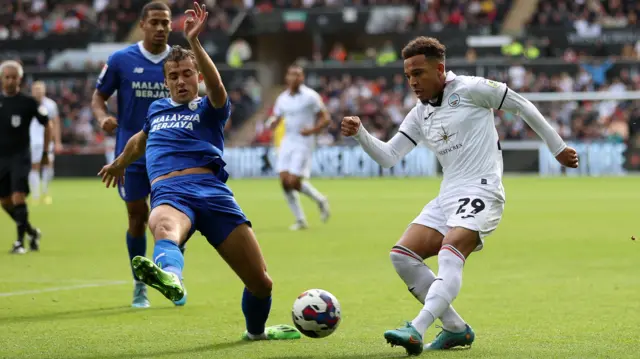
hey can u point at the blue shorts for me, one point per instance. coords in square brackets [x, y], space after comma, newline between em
[206, 200]
[136, 186]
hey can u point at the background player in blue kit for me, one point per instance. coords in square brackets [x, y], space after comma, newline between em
[184, 142]
[136, 74]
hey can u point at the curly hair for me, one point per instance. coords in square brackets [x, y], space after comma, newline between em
[430, 47]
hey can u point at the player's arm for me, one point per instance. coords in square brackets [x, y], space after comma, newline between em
[274, 120]
[113, 173]
[491, 94]
[133, 150]
[386, 154]
[107, 83]
[56, 129]
[323, 119]
[193, 26]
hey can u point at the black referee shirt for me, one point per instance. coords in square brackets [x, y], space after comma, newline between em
[16, 113]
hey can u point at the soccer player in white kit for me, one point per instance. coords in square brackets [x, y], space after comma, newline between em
[305, 116]
[454, 118]
[40, 178]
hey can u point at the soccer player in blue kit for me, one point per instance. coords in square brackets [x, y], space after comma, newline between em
[184, 142]
[136, 73]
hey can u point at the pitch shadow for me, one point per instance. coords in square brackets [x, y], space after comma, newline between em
[163, 353]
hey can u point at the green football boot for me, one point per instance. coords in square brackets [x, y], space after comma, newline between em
[276, 332]
[406, 337]
[447, 340]
[167, 283]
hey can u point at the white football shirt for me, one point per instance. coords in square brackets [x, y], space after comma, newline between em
[36, 130]
[459, 128]
[299, 111]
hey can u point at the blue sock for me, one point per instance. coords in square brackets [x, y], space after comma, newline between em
[168, 256]
[137, 247]
[256, 311]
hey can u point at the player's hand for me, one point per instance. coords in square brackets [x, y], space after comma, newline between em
[568, 157]
[109, 124]
[112, 175]
[45, 159]
[350, 126]
[196, 21]
[306, 132]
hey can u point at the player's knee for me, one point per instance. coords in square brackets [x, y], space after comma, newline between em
[295, 182]
[35, 167]
[262, 287]
[18, 198]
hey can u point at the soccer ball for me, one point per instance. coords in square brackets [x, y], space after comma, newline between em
[316, 313]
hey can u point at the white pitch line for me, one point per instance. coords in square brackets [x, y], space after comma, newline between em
[58, 289]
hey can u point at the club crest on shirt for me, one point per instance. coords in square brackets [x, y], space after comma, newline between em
[454, 100]
[193, 105]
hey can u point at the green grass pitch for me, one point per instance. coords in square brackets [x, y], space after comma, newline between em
[558, 279]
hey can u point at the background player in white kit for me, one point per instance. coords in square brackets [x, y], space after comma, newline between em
[305, 116]
[40, 178]
[454, 118]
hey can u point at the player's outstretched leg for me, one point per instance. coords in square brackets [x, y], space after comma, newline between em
[138, 212]
[457, 246]
[241, 251]
[170, 227]
[418, 276]
[321, 200]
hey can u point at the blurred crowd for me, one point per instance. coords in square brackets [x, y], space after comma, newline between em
[587, 17]
[382, 104]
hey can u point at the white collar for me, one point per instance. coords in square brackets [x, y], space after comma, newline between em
[155, 58]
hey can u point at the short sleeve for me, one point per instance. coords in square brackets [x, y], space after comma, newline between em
[410, 126]
[488, 93]
[277, 107]
[222, 114]
[146, 127]
[41, 113]
[109, 79]
[317, 104]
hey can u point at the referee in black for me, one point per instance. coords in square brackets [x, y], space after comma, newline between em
[16, 113]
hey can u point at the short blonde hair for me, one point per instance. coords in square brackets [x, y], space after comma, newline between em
[11, 63]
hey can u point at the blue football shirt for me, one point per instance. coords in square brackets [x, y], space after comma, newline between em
[138, 77]
[185, 136]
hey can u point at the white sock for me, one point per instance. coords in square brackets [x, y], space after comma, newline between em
[262, 336]
[47, 176]
[294, 204]
[307, 188]
[443, 290]
[34, 184]
[418, 277]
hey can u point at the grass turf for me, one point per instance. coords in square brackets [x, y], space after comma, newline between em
[558, 279]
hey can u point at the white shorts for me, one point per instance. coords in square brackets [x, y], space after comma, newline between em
[295, 160]
[474, 208]
[36, 152]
